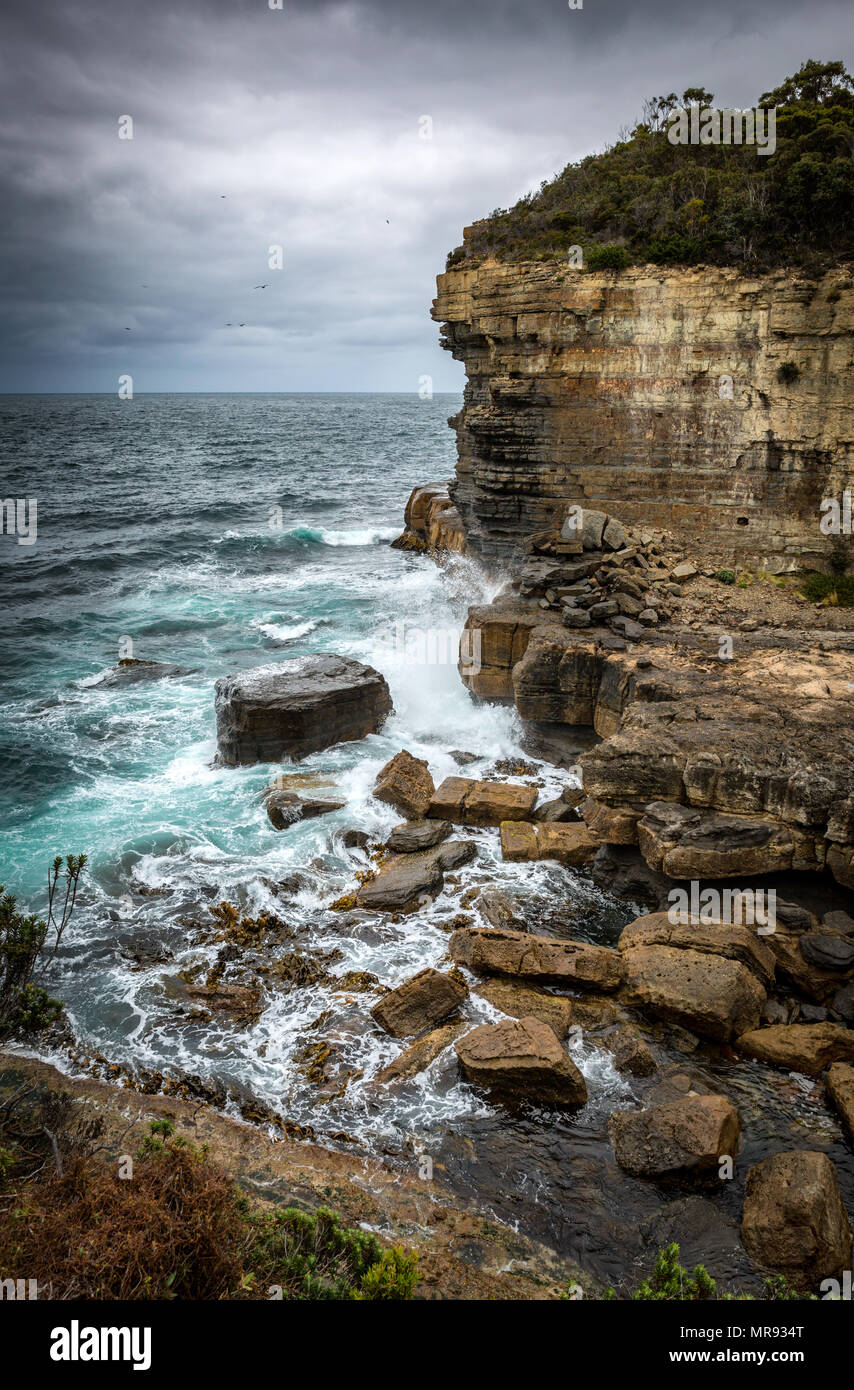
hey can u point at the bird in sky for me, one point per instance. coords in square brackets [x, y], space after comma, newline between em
[259, 287]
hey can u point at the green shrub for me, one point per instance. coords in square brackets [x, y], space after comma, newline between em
[673, 204]
[25, 1007]
[179, 1229]
[669, 1282]
[828, 588]
[725, 576]
[608, 257]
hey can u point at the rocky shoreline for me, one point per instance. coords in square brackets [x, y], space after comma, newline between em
[716, 772]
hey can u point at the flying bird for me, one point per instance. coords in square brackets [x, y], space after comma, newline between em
[259, 287]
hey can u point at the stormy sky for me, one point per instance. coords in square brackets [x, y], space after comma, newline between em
[303, 127]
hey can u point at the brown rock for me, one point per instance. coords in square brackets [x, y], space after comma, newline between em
[521, 1057]
[803, 1047]
[839, 1081]
[407, 881]
[415, 835]
[794, 1221]
[526, 1001]
[500, 952]
[679, 1137]
[469, 802]
[422, 1002]
[406, 784]
[631, 1055]
[709, 938]
[418, 1055]
[569, 844]
[287, 808]
[710, 995]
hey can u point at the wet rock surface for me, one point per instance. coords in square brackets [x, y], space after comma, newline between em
[426, 1000]
[688, 1136]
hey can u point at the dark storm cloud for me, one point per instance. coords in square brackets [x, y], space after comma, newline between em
[123, 256]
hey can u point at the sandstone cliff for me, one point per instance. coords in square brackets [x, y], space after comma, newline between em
[712, 404]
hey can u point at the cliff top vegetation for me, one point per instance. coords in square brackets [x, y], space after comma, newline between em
[648, 199]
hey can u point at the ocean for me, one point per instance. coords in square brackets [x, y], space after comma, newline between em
[217, 533]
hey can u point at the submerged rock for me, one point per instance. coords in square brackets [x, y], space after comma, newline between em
[521, 1057]
[794, 1220]
[418, 1055]
[131, 670]
[297, 707]
[840, 1087]
[408, 880]
[426, 1000]
[680, 1137]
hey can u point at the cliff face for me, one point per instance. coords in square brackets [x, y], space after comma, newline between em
[656, 394]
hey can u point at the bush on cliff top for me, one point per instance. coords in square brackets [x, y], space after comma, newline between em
[176, 1228]
[653, 201]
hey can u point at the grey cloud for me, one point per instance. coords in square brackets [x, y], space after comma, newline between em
[307, 119]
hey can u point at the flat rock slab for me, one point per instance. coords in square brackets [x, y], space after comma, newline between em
[297, 707]
[803, 1047]
[426, 1000]
[794, 1220]
[677, 1138]
[521, 1057]
[711, 995]
[414, 835]
[132, 670]
[287, 808]
[496, 951]
[569, 844]
[406, 784]
[468, 802]
[407, 881]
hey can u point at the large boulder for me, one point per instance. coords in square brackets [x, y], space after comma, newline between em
[469, 802]
[839, 1082]
[521, 1057]
[677, 1138]
[794, 1220]
[803, 1047]
[426, 1000]
[708, 938]
[407, 881]
[297, 707]
[517, 953]
[406, 784]
[708, 994]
